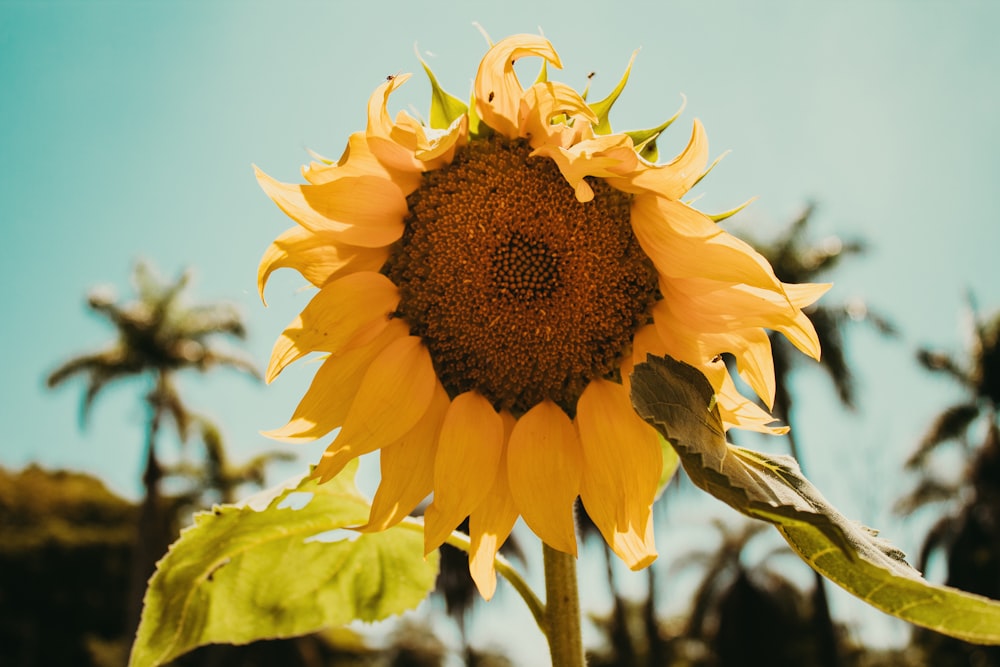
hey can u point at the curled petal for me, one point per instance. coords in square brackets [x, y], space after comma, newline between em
[394, 394]
[602, 156]
[348, 312]
[379, 133]
[364, 211]
[752, 350]
[737, 411]
[497, 90]
[317, 256]
[622, 465]
[553, 113]
[407, 468]
[674, 179]
[544, 469]
[434, 148]
[466, 464]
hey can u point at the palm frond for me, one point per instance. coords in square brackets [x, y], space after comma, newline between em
[951, 424]
[940, 362]
[928, 490]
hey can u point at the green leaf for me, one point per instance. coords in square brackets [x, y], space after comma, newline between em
[678, 400]
[279, 566]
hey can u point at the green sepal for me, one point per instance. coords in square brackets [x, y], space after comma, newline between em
[645, 140]
[712, 166]
[676, 399]
[602, 109]
[719, 217]
[445, 107]
[543, 72]
[477, 128]
[279, 565]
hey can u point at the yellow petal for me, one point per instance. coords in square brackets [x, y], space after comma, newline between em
[739, 412]
[394, 394]
[380, 131]
[602, 156]
[646, 341]
[547, 100]
[622, 465]
[712, 307]
[348, 312]
[672, 180]
[365, 211]
[543, 468]
[407, 468]
[434, 148]
[752, 350]
[359, 160]
[317, 256]
[328, 400]
[467, 461]
[497, 90]
[490, 524]
[685, 243]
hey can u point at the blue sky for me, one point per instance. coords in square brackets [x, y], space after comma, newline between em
[129, 130]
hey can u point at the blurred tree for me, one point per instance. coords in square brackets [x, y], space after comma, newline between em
[797, 260]
[455, 586]
[968, 531]
[64, 563]
[158, 335]
[215, 475]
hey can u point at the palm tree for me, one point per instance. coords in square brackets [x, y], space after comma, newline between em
[744, 616]
[969, 529]
[217, 475]
[158, 335]
[796, 260]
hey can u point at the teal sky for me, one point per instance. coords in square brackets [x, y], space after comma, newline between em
[129, 130]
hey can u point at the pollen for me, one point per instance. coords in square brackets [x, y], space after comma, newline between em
[518, 290]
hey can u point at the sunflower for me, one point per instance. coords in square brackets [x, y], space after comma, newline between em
[486, 284]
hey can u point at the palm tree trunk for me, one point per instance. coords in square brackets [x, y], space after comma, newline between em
[621, 640]
[152, 534]
[657, 649]
[827, 646]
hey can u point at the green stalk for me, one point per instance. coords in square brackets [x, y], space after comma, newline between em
[562, 609]
[504, 568]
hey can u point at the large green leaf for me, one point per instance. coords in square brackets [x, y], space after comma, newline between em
[678, 401]
[280, 565]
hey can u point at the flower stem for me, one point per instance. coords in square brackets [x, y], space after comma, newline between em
[508, 572]
[562, 609]
[503, 566]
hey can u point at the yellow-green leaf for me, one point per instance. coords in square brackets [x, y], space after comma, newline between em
[677, 400]
[281, 565]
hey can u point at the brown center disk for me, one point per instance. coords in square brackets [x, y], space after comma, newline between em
[519, 291]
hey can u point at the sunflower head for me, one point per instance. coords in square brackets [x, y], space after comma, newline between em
[485, 285]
